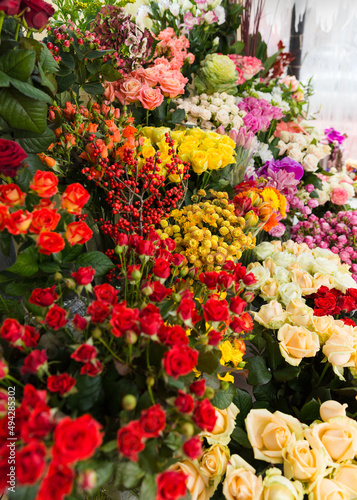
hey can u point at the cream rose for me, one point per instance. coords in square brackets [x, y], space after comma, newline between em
[322, 279]
[270, 264]
[304, 280]
[326, 254]
[302, 316]
[241, 482]
[269, 433]
[278, 487]
[264, 250]
[323, 326]
[270, 289]
[301, 462]
[328, 489]
[197, 484]
[296, 248]
[296, 343]
[289, 291]
[310, 163]
[271, 315]
[340, 351]
[224, 427]
[332, 409]
[261, 275]
[282, 274]
[337, 438]
[347, 478]
[306, 261]
[343, 281]
[323, 265]
[214, 461]
[283, 258]
[295, 154]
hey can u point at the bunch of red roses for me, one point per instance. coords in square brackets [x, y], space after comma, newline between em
[333, 302]
[44, 218]
[36, 13]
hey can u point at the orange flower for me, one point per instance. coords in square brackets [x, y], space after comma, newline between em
[265, 211]
[58, 132]
[44, 184]
[69, 139]
[69, 110]
[272, 222]
[92, 128]
[74, 198]
[11, 195]
[129, 131]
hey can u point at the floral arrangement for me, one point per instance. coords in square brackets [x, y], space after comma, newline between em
[337, 188]
[173, 48]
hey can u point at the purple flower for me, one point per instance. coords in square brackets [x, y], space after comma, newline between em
[333, 135]
[286, 164]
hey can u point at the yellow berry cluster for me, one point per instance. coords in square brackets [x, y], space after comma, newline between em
[208, 233]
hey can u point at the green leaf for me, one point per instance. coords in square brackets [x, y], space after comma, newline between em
[89, 393]
[243, 401]
[66, 82]
[30, 91]
[287, 373]
[275, 359]
[173, 441]
[15, 289]
[49, 267]
[70, 254]
[236, 48]
[148, 488]
[265, 392]
[207, 362]
[178, 115]
[258, 373]
[109, 73]
[25, 265]
[23, 112]
[222, 399]
[259, 342]
[312, 178]
[18, 64]
[95, 54]
[35, 143]
[93, 88]
[24, 493]
[109, 446]
[131, 475]
[98, 260]
[4, 79]
[67, 60]
[310, 411]
[32, 44]
[241, 437]
[5, 243]
[47, 63]
[48, 80]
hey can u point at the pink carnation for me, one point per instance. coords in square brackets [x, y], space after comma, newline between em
[339, 196]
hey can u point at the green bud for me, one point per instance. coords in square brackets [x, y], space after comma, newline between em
[209, 393]
[131, 337]
[57, 277]
[224, 385]
[183, 272]
[136, 275]
[96, 333]
[176, 297]
[70, 283]
[118, 249]
[128, 402]
[187, 429]
[150, 381]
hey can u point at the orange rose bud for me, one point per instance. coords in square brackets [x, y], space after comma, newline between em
[11, 195]
[74, 198]
[44, 184]
[44, 219]
[78, 233]
[19, 222]
[49, 242]
[50, 162]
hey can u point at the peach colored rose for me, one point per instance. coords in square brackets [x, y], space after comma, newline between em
[332, 409]
[271, 315]
[224, 426]
[213, 462]
[278, 487]
[241, 482]
[304, 280]
[301, 462]
[109, 92]
[302, 316]
[129, 91]
[323, 326]
[339, 196]
[298, 96]
[291, 82]
[150, 98]
[270, 264]
[296, 343]
[197, 484]
[270, 289]
[340, 351]
[347, 478]
[171, 87]
[328, 489]
[151, 76]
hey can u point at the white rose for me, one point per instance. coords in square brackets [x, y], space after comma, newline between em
[213, 108]
[224, 426]
[285, 136]
[206, 114]
[343, 281]
[310, 163]
[261, 275]
[237, 122]
[234, 110]
[264, 250]
[326, 254]
[321, 151]
[322, 265]
[195, 99]
[204, 96]
[223, 117]
[196, 111]
[306, 261]
[282, 147]
[207, 125]
[295, 154]
[289, 292]
[217, 102]
[209, 17]
[284, 259]
[282, 274]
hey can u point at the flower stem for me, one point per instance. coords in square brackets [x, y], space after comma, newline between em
[110, 350]
[9, 377]
[322, 374]
[2, 17]
[17, 31]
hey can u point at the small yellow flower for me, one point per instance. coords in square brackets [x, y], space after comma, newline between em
[227, 378]
[270, 196]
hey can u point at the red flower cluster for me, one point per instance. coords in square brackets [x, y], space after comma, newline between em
[332, 302]
[17, 335]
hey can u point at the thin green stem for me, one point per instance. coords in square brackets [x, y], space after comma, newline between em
[151, 395]
[323, 374]
[12, 379]
[17, 31]
[2, 17]
[110, 350]
[147, 117]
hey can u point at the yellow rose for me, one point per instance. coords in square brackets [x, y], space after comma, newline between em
[197, 484]
[224, 426]
[296, 343]
[185, 149]
[323, 326]
[337, 437]
[158, 134]
[178, 135]
[328, 489]
[225, 139]
[241, 483]
[147, 132]
[304, 280]
[301, 462]
[148, 151]
[278, 487]
[332, 409]
[270, 289]
[208, 144]
[213, 462]
[269, 433]
[199, 161]
[347, 478]
[271, 316]
[214, 159]
[340, 351]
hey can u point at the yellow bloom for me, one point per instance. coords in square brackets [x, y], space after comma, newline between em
[226, 350]
[227, 378]
[199, 160]
[283, 204]
[269, 195]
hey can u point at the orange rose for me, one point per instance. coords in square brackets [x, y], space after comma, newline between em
[4, 215]
[44, 184]
[150, 98]
[171, 87]
[74, 198]
[19, 222]
[11, 195]
[49, 242]
[44, 219]
[78, 233]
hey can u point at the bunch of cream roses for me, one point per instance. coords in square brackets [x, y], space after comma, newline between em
[290, 271]
[302, 148]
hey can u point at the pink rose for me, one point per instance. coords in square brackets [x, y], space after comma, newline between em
[339, 196]
[129, 91]
[150, 98]
[290, 82]
[151, 76]
[171, 87]
[109, 92]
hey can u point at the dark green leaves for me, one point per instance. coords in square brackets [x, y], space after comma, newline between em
[22, 112]
[98, 260]
[18, 64]
[25, 265]
[258, 371]
[223, 398]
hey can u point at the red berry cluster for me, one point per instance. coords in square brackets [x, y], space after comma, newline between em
[60, 40]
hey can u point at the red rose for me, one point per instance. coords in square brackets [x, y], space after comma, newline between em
[349, 321]
[43, 297]
[98, 311]
[173, 335]
[180, 360]
[240, 272]
[145, 247]
[84, 353]
[11, 8]
[84, 275]
[124, 319]
[352, 292]
[34, 362]
[45, 219]
[31, 462]
[161, 268]
[204, 415]
[56, 317]
[152, 421]
[229, 265]
[130, 440]
[57, 483]
[4, 370]
[106, 293]
[249, 279]
[193, 447]
[11, 195]
[214, 337]
[209, 279]
[216, 310]
[171, 485]
[4, 216]
[11, 154]
[39, 13]
[44, 184]
[159, 292]
[18, 222]
[242, 323]
[49, 242]
[198, 387]
[225, 280]
[162, 253]
[79, 322]
[92, 368]
[60, 383]
[33, 398]
[78, 233]
[30, 337]
[74, 198]
[37, 425]
[135, 268]
[122, 240]
[187, 311]
[184, 402]
[150, 319]
[169, 243]
[177, 259]
[11, 330]
[237, 305]
[346, 304]
[76, 440]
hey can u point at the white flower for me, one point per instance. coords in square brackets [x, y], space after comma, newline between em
[322, 265]
[285, 136]
[284, 259]
[282, 274]
[289, 291]
[306, 261]
[310, 163]
[343, 281]
[217, 101]
[195, 99]
[209, 17]
[223, 117]
[213, 108]
[296, 154]
[164, 4]
[207, 125]
[220, 13]
[237, 122]
[196, 111]
[175, 9]
[264, 250]
[261, 274]
[226, 107]
[233, 109]
[282, 147]
[205, 114]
